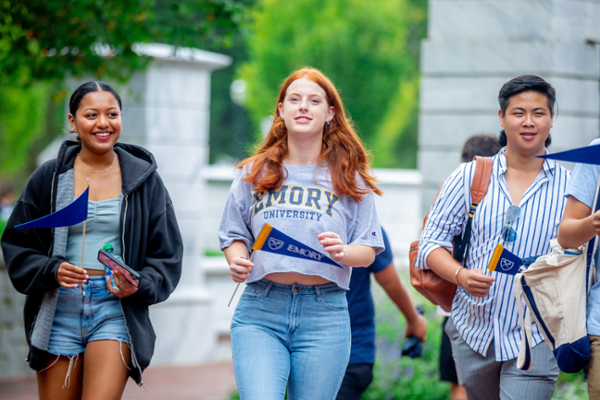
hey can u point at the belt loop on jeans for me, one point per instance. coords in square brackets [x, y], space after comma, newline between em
[318, 291]
[267, 288]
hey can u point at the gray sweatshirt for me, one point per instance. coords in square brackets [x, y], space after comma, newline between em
[304, 207]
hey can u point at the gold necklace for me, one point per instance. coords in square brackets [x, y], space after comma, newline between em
[98, 172]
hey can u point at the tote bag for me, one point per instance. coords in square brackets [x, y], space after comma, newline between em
[555, 289]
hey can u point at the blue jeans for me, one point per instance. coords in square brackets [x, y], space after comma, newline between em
[81, 319]
[290, 335]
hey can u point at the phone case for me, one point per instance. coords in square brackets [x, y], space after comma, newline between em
[111, 262]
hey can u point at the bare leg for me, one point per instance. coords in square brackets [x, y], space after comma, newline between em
[105, 375]
[51, 381]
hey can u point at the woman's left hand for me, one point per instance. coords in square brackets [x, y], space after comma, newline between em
[333, 244]
[125, 288]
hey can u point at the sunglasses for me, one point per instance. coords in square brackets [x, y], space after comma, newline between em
[509, 234]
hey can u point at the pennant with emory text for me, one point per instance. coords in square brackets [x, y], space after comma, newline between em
[72, 214]
[273, 241]
[585, 155]
[504, 261]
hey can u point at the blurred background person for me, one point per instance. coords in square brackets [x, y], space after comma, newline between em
[7, 199]
[359, 373]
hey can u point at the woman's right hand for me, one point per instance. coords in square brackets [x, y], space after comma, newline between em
[475, 282]
[240, 269]
[70, 276]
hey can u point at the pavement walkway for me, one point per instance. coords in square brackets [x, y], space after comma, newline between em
[205, 382]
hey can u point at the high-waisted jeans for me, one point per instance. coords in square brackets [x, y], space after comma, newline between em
[290, 335]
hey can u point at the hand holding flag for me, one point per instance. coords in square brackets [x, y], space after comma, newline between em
[274, 241]
[333, 244]
[504, 262]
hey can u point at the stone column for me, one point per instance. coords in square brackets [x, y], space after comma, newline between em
[167, 111]
[475, 46]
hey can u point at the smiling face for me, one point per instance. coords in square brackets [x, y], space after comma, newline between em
[97, 122]
[305, 109]
[527, 122]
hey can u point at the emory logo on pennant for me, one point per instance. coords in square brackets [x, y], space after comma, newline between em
[509, 263]
[506, 265]
[275, 244]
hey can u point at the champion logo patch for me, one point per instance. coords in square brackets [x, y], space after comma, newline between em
[374, 234]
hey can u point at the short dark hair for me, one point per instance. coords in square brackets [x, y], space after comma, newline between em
[526, 83]
[90, 87]
[484, 145]
[504, 141]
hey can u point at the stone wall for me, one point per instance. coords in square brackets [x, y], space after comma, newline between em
[13, 346]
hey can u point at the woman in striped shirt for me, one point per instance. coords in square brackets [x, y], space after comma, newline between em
[532, 191]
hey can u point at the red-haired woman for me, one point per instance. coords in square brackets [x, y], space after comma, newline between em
[309, 179]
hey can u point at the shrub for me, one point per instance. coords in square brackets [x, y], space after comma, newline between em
[397, 377]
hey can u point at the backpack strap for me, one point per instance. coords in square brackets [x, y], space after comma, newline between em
[481, 180]
[479, 188]
[524, 359]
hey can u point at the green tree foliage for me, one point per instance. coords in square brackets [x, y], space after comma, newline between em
[230, 127]
[29, 121]
[370, 50]
[43, 42]
[51, 39]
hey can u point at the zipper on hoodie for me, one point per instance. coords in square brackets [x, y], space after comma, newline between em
[51, 247]
[123, 310]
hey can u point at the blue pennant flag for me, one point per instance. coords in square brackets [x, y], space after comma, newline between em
[504, 261]
[585, 155]
[273, 241]
[72, 214]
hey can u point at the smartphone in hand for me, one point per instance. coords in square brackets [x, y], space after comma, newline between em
[115, 265]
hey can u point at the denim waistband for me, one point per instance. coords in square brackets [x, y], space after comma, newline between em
[96, 281]
[295, 289]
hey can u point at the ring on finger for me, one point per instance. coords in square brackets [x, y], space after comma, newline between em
[238, 275]
[235, 269]
[340, 241]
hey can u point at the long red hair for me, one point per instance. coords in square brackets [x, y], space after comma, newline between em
[342, 149]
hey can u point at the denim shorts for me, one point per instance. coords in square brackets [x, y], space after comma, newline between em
[80, 318]
[293, 336]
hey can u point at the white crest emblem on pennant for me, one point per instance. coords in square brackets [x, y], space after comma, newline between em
[506, 264]
[275, 244]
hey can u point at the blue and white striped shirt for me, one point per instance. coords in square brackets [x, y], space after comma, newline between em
[542, 206]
